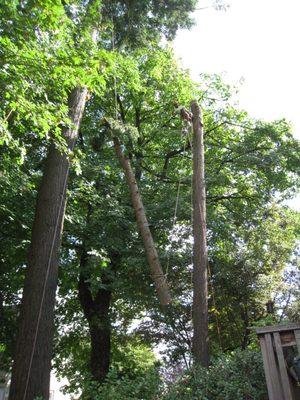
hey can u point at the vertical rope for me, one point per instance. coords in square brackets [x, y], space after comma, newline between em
[192, 220]
[213, 295]
[114, 72]
[175, 211]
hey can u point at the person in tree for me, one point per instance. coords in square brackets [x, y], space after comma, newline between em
[185, 116]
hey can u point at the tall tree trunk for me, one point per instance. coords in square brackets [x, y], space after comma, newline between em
[200, 303]
[97, 312]
[32, 364]
[158, 276]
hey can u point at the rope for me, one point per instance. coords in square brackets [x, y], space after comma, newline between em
[192, 219]
[46, 278]
[114, 72]
[175, 212]
[213, 295]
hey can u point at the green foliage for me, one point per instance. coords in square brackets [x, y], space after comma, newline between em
[124, 132]
[42, 60]
[143, 387]
[132, 358]
[235, 376]
[134, 371]
[147, 20]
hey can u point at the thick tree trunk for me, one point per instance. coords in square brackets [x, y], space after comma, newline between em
[200, 303]
[32, 364]
[97, 312]
[158, 276]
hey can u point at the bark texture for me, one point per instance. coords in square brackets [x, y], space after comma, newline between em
[157, 274]
[200, 290]
[32, 364]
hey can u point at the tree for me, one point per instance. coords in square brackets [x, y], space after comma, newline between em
[200, 287]
[157, 273]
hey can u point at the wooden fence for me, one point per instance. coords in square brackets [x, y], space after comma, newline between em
[280, 346]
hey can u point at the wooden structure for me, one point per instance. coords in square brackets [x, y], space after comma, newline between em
[280, 345]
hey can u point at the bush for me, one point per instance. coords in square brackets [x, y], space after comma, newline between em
[144, 387]
[237, 376]
[233, 376]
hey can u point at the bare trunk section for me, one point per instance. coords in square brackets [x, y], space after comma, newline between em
[157, 274]
[200, 291]
[32, 364]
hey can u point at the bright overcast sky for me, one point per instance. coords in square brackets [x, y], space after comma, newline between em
[257, 40]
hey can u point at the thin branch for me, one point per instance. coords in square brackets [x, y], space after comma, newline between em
[215, 127]
[172, 154]
[162, 178]
[231, 197]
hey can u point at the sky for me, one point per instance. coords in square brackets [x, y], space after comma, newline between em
[257, 40]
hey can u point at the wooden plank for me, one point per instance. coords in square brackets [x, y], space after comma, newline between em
[264, 352]
[297, 337]
[275, 376]
[282, 368]
[278, 328]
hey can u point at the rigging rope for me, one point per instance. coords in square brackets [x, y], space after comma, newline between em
[175, 213]
[114, 71]
[213, 296]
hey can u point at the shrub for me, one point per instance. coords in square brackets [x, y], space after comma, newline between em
[144, 387]
[235, 376]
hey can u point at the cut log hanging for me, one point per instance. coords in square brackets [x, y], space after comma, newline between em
[200, 305]
[157, 274]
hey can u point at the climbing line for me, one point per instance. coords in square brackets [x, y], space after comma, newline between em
[175, 210]
[213, 296]
[192, 220]
[114, 71]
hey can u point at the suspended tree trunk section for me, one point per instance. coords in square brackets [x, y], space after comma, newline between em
[157, 274]
[200, 291]
[32, 364]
